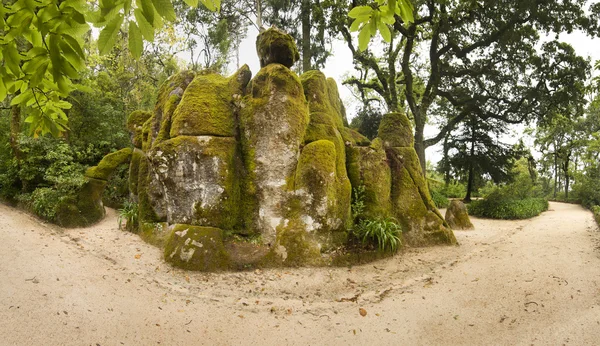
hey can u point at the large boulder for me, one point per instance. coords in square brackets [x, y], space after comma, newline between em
[457, 216]
[276, 47]
[198, 179]
[273, 122]
[135, 124]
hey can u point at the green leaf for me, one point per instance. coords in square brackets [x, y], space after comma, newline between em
[147, 10]
[71, 56]
[21, 98]
[12, 59]
[127, 6]
[38, 75]
[360, 11]
[364, 37]
[193, 3]
[75, 45]
[145, 27]
[165, 9]
[406, 11]
[385, 32]
[3, 91]
[212, 5]
[108, 35]
[136, 44]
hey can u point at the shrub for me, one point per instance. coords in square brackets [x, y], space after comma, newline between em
[45, 202]
[381, 233]
[440, 200]
[129, 214]
[453, 190]
[495, 207]
[116, 192]
[358, 202]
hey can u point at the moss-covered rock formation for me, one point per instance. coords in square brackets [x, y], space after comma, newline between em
[457, 216]
[232, 172]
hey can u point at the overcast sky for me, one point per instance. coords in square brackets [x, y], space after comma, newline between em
[340, 64]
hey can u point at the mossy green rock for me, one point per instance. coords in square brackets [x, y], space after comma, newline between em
[321, 100]
[155, 233]
[86, 208]
[108, 164]
[294, 247]
[411, 201]
[169, 96]
[367, 166]
[151, 205]
[205, 109]
[316, 180]
[135, 124]
[276, 47]
[134, 169]
[457, 216]
[396, 131]
[196, 248]
[353, 137]
[199, 181]
[273, 120]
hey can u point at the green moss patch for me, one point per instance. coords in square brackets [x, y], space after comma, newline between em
[275, 46]
[135, 123]
[396, 131]
[85, 209]
[108, 164]
[196, 248]
[205, 109]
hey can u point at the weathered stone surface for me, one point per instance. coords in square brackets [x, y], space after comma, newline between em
[135, 123]
[457, 216]
[353, 137]
[367, 166]
[273, 122]
[276, 47]
[198, 179]
[134, 169]
[196, 248]
[396, 131]
[411, 202]
[205, 108]
[150, 196]
[108, 164]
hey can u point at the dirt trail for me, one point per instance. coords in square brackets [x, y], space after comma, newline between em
[510, 282]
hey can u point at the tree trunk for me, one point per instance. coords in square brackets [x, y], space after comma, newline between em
[567, 180]
[555, 173]
[259, 15]
[306, 53]
[15, 130]
[446, 162]
[420, 147]
[471, 167]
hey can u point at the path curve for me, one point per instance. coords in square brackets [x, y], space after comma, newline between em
[509, 282]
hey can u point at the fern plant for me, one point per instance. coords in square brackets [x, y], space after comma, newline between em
[128, 214]
[382, 233]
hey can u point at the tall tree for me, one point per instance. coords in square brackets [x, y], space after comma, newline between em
[481, 57]
[476, 150]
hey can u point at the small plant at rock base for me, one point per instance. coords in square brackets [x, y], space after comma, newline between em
[129, 214]
[358, 201]
[382, 233]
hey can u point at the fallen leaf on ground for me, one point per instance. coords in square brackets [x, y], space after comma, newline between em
[138, 256]
[362, 312]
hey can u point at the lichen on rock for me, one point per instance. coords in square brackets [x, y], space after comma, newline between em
[395, 131]
[457, 216]
[196, 248]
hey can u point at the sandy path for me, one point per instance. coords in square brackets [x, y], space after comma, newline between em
[510, 282]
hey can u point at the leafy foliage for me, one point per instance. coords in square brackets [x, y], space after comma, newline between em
[499, 207]
[385, 234]
[369, 20]
[439, 199]
[129, 215]
[41, 49]
[357, 207]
